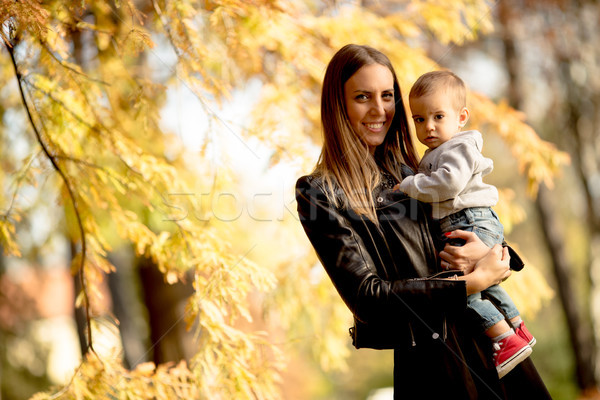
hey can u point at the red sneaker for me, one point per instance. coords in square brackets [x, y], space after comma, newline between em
[509, 352]
[523, 332]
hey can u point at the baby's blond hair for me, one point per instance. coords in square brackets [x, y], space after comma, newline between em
[436, 80]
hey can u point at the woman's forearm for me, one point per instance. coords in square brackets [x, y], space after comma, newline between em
[475, 282]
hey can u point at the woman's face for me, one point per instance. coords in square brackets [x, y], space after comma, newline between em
[370, 103]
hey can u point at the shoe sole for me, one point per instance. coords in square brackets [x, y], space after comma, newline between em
[512, 362]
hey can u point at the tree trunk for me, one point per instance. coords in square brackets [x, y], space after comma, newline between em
[166, 305]
[79, 312]
[581, 140]
[580, 332]
[125, 293]
[579, 329]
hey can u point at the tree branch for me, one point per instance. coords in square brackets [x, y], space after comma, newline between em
[70, 191]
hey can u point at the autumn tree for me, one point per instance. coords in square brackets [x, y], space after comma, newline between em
[91, 78]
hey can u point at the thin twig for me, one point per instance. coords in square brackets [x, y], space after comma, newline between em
[70, 191]
[21, 176]
[68, 67]
[88, 164]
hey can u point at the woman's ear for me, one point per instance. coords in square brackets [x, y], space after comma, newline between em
[463, 117]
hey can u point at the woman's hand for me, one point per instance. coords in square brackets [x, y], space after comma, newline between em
[463, 258]
[490, 270]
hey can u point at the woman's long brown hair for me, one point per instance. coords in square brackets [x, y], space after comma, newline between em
[345, 160]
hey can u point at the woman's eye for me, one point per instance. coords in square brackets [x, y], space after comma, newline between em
[388, 96]
[361, 97]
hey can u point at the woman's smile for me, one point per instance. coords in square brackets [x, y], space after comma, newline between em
[375, 126]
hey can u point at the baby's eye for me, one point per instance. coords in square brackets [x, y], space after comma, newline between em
[419, 119]
[439, 116]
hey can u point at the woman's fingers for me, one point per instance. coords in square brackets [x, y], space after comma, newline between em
[446, 266]
[460, 234]
[505, 255]
[500, 262]
[506, 259]
[463, 257]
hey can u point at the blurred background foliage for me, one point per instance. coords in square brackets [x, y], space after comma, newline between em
[149, 151]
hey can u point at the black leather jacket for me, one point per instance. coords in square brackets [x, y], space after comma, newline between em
[384, 275]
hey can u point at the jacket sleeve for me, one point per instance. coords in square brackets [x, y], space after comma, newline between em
[353, 273]
[456, 165]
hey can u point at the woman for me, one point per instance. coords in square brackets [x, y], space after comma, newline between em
[377, 248]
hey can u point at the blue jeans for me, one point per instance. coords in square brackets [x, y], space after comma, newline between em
[481, 220]
[484, 222]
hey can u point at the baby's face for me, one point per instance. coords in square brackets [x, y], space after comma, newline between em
[436, 118]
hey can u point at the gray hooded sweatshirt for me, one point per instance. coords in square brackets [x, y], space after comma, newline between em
[450, 176]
